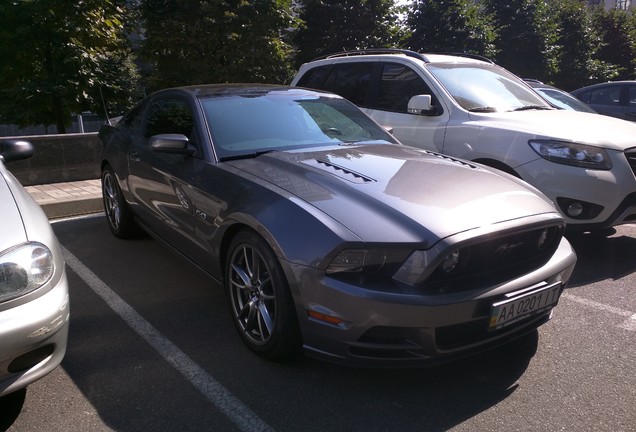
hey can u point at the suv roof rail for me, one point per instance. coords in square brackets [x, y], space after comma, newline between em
[466, 55]
[406, 52]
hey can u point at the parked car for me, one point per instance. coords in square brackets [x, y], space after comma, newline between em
[471, 108]
[328, 234]
[616, 99]
[34, 302]
[558, 98]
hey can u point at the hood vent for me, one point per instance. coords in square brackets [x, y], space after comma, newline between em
[338, 171]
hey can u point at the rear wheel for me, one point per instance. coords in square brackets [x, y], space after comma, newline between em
[261, 303]
[119, 217]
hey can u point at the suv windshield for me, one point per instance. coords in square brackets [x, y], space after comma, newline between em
[244, 125]
[485, 88]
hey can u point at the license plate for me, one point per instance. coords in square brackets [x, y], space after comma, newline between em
[512, 310]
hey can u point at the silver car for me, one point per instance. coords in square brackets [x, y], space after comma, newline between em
[34, 301]
[329, 235]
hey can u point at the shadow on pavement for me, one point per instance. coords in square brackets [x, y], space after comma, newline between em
[602, 255]
[10, 408]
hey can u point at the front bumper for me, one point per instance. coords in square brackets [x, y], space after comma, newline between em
[608, 197]
[383, 328]
[33, 338]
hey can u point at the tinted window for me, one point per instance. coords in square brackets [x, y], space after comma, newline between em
[314, 78]
[632, 96]
[350, 80]
[398, 84]
[610, 95]
[169, 116]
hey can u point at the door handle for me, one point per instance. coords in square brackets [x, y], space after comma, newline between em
[134, 157]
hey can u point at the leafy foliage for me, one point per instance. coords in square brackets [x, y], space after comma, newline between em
[205, 41]
[59, 57]
[524, 33]
[616, 32]
[330, 26]
[450, 25]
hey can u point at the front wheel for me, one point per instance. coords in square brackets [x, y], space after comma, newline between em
[261, 303]
[119, 217]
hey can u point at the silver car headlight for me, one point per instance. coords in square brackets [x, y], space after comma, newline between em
[573, 154]
[23, 269]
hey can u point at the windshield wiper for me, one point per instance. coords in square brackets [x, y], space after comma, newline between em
[245, 156]
[485, 109]
[532, 107]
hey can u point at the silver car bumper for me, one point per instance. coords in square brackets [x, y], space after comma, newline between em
[33, 338]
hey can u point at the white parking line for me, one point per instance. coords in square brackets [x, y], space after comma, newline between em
[629, 324]
[238, 413]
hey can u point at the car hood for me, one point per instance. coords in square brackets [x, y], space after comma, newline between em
[395, 193]
[573, 126]
[10, 218]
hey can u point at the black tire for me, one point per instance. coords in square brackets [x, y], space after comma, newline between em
[261, 303]
[120, 219]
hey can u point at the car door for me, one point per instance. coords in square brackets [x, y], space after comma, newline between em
[159, 181]
[395, 86]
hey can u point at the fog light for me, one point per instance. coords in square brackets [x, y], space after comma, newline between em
[575, 209]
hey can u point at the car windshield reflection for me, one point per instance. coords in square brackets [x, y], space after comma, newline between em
[247, 126]
[484, 88]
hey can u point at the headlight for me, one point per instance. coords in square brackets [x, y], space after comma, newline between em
[573, 154]
[24, 269]
[368, 261]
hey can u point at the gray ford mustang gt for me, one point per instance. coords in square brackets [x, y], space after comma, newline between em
[329, 235]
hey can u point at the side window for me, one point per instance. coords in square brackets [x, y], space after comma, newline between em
[350, 80]
[314, 78]
[631, 96]
[398, 84]
[169, 116]
[610, 95]
[133, 118]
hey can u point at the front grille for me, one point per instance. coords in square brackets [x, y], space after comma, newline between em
[497, 259]
[630, 154]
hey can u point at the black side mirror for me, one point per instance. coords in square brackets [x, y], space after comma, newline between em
[15, 149]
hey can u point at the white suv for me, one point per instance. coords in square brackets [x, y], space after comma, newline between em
[468, 107]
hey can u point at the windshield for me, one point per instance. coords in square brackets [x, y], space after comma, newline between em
[486, 88]
[563, 100]
[248, 125]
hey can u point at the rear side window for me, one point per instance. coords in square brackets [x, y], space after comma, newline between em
[610, 95]
[398, 85]
[314, 78]
[351, 81]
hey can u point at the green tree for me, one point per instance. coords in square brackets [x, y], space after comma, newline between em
[451, 25]
[207, 41]
[573, 46]
[59, 57]
[330, 26]
[525, 36]
[616, 32]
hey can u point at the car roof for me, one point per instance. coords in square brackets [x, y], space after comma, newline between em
[603, 84]
[442, 57]
[239, 89]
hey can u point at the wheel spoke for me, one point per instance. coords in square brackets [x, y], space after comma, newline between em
[266, 318]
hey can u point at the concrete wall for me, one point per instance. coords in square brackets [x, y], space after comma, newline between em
[59, 158]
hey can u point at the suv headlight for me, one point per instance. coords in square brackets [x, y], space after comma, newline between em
[573, 154]
[23, 269]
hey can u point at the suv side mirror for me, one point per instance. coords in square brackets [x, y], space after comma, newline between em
[420, 104]
[15, 149]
